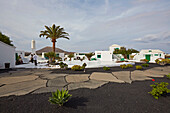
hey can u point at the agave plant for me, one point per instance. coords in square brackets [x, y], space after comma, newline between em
[60, 97]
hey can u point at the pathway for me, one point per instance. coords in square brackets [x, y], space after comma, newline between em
[23, 82]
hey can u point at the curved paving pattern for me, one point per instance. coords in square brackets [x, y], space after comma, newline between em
[43, 80]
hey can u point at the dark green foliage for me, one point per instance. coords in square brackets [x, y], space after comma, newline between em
[106, 68]
[63, 65]
[159, 89]
[84, 65]
[168, 76]
[145, 65]
[59, 97]
[70, 56]
[50, 55]
[125, 52]
[138, 67]
[89, 55]
[5, 39]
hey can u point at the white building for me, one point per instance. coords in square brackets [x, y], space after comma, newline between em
[113, 47]
[104, 55]
[7, 55]
[149, 54]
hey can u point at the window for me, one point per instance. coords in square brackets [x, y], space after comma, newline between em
[156, 54]
[98, 56]
[159, 54]
[150, 50]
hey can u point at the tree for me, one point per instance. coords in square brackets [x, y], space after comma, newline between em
[5, 39]
[125, 52]
[50, 55]
[70, 56]
[54, 32]
[89, 55]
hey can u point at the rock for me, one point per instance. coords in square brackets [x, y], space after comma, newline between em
[59, 81]
[92, 84]
[139, 76]
[15, 79]
[77, 78]
[123, 75]
[47, 89]
[51, 76]
[104, 77]
[21, 88]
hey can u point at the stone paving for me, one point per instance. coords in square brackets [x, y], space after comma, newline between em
[22, 81]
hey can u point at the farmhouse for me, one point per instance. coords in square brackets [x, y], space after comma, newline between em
[7, 55]
[149, 54]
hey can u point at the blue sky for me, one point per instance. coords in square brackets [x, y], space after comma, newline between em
[92, 24]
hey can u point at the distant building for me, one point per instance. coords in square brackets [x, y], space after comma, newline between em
[149, 54]
[7, 55]
[113, 47]
[104, 55]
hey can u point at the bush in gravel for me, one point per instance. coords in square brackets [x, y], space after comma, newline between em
[59, 97]
[145, 65]
[138, 67]
[84, 65]
[77, 68]
[106, 68]
[123, 66]
[63, 65]
[159, 89]
[168, 76]
[129, 65]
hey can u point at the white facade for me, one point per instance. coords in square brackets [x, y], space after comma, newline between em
[113, 47]
[103, 55]
[151, 55]
[7, 55]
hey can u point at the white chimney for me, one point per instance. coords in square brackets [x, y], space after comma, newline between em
[33, 46]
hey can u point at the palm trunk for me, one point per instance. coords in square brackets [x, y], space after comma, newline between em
[53, 40]
[54, 46]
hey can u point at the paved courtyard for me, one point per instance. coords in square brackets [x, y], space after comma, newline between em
[25, 81]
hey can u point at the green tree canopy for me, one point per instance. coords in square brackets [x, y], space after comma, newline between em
[54, 32]
[5, 39]
[124, 52]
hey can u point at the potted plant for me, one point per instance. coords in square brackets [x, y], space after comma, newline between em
[7, 65]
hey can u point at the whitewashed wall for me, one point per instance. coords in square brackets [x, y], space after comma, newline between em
[7, 55]
[105, 55]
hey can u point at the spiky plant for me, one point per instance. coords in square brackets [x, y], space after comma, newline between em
[59, 97]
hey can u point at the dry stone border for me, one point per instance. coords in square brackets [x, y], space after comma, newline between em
[123, 75]
[77, 78]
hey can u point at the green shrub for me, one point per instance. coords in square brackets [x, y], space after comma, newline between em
[157, 61]
[84, 65]
[63, 65]
[145, 65]
[123, 66]
[159, 89]
[59, 97]
[77, 68]
[168, 76]
[139, 67]
[106, 68]
[144, 60]
[129, 65]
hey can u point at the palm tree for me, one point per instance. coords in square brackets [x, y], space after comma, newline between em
[54, 32]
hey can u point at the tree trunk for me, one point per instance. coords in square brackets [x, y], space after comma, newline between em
[53, 46]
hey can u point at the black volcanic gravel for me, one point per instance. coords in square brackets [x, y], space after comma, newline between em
[110, 98]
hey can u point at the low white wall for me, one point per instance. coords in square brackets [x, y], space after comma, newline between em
[7, 55]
